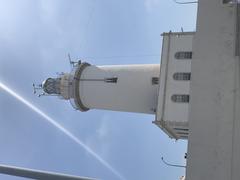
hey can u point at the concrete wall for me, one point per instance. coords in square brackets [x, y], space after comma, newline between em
[214, 148]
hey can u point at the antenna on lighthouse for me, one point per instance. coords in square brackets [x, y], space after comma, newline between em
[36, 88]
[73, 63]
[70, 61]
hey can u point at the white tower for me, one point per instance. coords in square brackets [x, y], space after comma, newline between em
[130, 88]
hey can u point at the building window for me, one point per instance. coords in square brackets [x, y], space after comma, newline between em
[183, 55]
[180, 76]
[111, 80]
[180, 98]
[155, 80]
[230, 1]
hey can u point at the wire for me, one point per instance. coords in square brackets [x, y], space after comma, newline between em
[172, 165]
[119, 57]
[189, 2]
[88, 23]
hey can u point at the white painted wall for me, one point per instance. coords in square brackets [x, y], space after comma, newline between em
[213, 146]
[170, 114]
[133, 92]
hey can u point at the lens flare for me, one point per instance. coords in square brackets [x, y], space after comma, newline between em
[61, 128]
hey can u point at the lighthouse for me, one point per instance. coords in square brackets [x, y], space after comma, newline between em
[129, 88]
[158, 89]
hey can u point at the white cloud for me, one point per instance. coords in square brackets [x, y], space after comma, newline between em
[103, 129]
[99, 141]
[151, 4]
[48, 11]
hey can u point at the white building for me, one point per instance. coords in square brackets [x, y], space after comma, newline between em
[174, 82]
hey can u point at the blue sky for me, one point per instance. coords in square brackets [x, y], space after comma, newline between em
[35, 37]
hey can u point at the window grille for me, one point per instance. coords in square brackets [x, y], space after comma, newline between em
[180, 98]
[183, 55]
[111, 80]
[181, 76]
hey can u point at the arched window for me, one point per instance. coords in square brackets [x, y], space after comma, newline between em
[180, 98]
[183, 55]
[155, 80]
[182, 76]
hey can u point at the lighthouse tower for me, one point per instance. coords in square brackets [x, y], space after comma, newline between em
[130, 88]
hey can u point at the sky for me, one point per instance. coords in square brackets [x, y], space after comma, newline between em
[35, 38]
